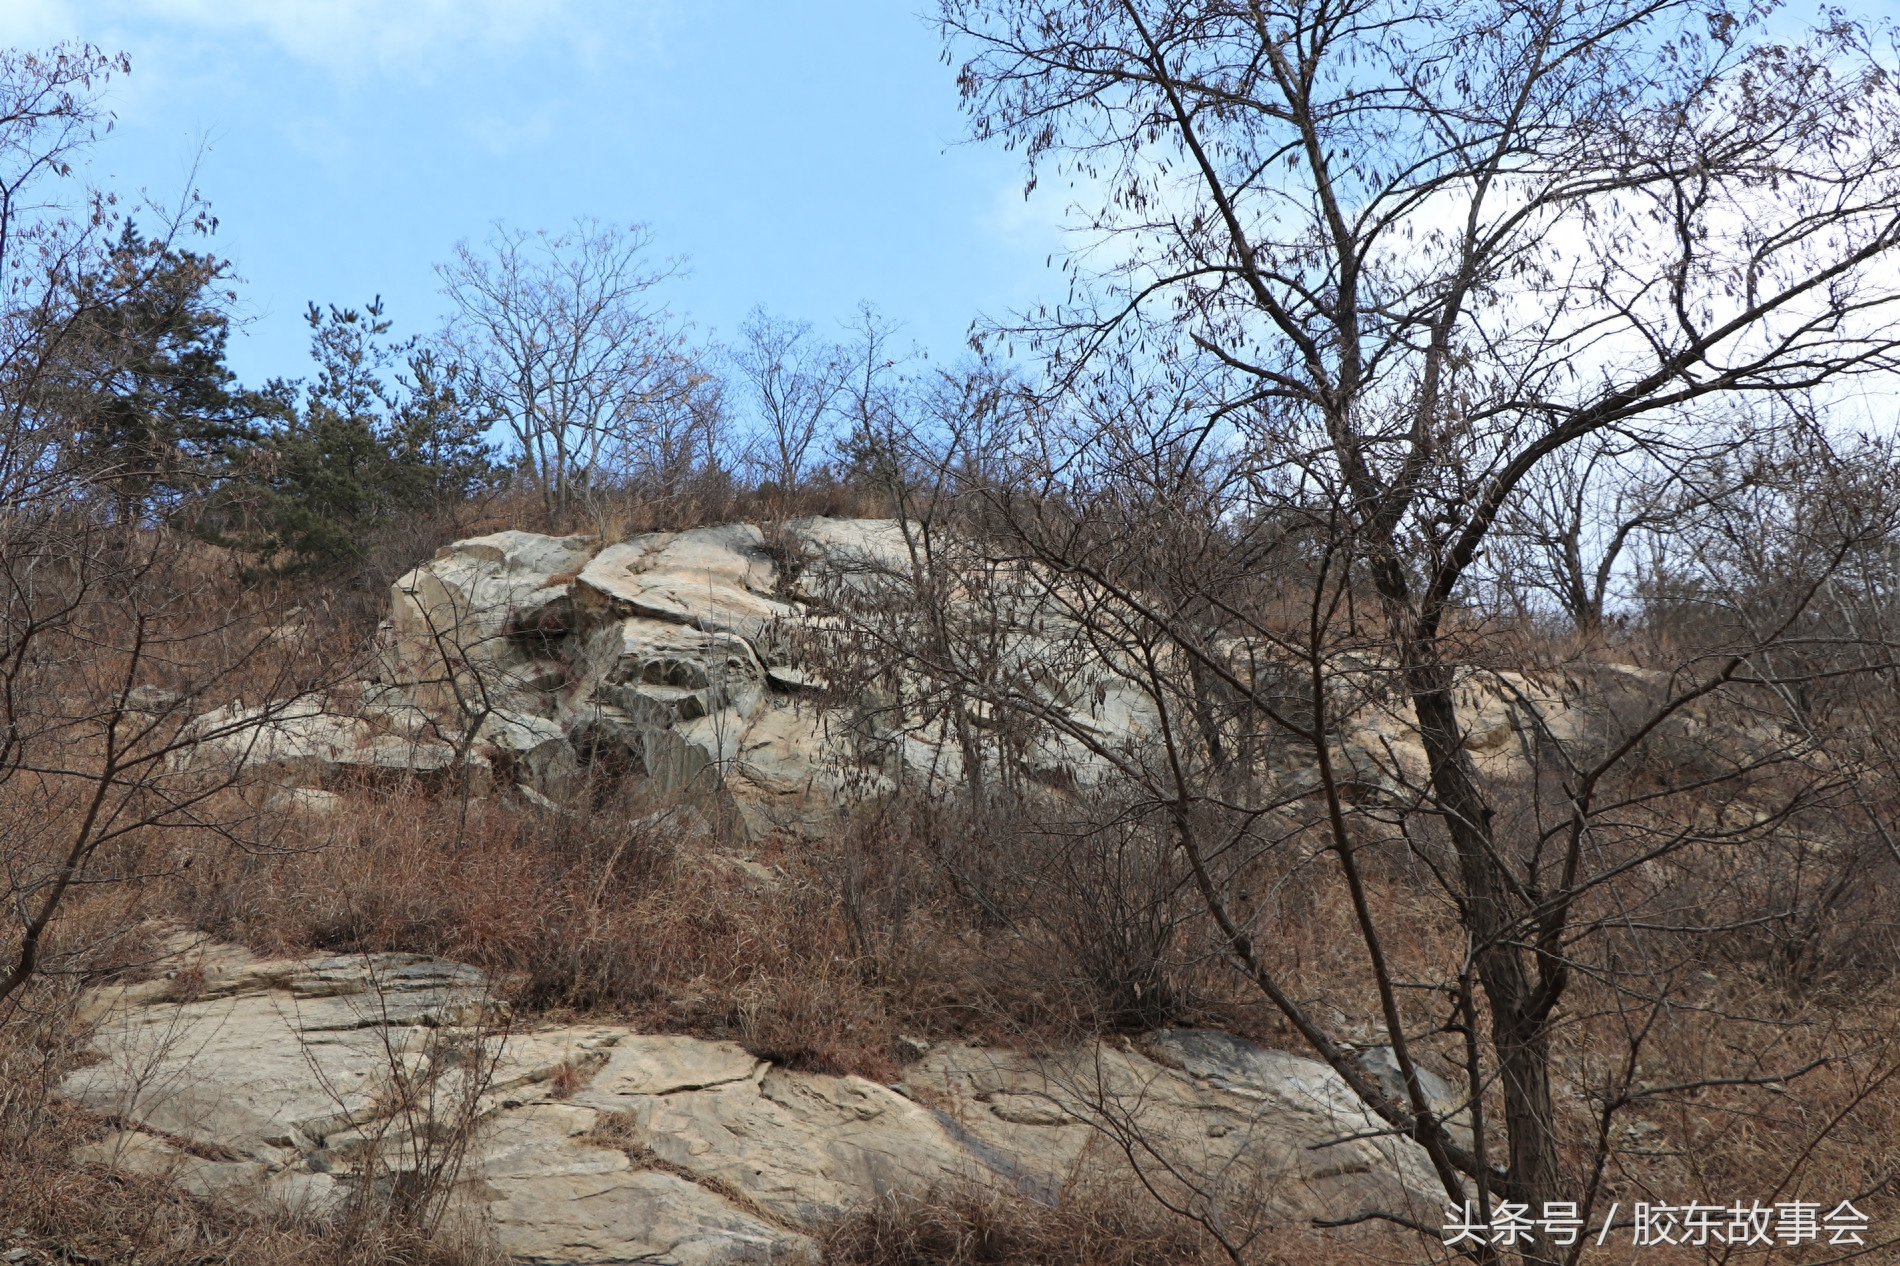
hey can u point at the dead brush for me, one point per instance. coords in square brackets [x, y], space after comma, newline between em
[187, 983]
[930, 921]
[615, 1131]
[432, 1102]
[567, 1079]
[917, 918]
[90, 1215]
[606, 912]
[971, 1224]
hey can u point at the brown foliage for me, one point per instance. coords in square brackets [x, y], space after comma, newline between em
[972, 1225]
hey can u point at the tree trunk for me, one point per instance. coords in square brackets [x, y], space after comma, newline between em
[1519, 1012]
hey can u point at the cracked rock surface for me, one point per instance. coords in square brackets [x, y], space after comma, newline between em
[285, 1085]
[524, 660]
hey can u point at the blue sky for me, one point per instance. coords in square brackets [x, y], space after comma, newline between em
[801, 156]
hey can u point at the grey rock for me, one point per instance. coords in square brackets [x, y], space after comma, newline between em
[281, 1065]
[155, 700]
[1383, 1063]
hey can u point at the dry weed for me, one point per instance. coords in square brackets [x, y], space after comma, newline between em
[944, 924]
[969, 1224]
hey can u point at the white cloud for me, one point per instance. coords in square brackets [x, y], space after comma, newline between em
[29, 23]
[345, 37]
[508, 133]
[350, 35]
[1045, 220]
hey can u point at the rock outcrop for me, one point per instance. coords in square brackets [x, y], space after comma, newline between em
[662, 657]
[668, 656]
[543, 662]
[288, 1085]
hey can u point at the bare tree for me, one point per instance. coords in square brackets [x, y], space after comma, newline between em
[116, 639]
[566, 347]
[1575, 529]
[794, 381]
[683, 437]
[48, 109]
[1362, 270]
[122, 670]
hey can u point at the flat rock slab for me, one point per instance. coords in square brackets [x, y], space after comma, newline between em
[801, 1146]
[268, 1085]
[629, 1215]
[641, 1065]
[260, 1050]
[250, 1184]
[709, 578]
[551, 1197]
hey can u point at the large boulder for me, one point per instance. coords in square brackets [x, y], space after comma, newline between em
[715, 579]
[477, 626]
[675, 656]
[547, 662]
[661, 657]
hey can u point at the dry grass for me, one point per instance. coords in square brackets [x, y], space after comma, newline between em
[571, 914]
[1087, 1224]
[894, 927]
[973, 1225]
[71, 1214]
[632, 910]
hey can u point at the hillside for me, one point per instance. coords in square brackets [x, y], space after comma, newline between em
[606, 877]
